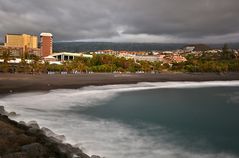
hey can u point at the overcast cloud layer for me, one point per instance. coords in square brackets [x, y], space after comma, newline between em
[213, 21]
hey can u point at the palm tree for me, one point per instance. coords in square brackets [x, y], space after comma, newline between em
[22, 66]
[36, 66]
[81, 67]
[5, 54]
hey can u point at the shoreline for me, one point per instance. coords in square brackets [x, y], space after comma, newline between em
[31, 141]
[16, 83]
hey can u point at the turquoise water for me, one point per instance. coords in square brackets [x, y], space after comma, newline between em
[150, 120]
[201, 119]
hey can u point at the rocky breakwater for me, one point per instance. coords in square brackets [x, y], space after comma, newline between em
[27, 140]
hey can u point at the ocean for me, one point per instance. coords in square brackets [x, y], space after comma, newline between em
[150, 120]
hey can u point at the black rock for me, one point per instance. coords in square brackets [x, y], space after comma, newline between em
[95, 156]
[2, 111]
[12, 114]
[22, 123]
[36, 142]
[33, 124]
[71, 152]
[34, 132]
[16, 155]
[52, 135]
[34, 150]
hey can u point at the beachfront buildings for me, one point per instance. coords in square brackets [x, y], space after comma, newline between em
[65, 56]
[46, 44]
[21, 40]
[20, 44]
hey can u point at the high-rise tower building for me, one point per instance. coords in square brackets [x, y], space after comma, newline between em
[23, 41]
[46, 44]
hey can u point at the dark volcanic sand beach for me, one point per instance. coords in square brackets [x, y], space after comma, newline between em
[13, 83]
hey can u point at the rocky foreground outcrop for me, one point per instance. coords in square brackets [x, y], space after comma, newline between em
[21, 140]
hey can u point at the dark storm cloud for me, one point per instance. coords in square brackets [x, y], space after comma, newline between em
[186, 18]
[118, 20]
[68, 20]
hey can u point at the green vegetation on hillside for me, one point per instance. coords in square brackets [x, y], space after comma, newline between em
[224, 61]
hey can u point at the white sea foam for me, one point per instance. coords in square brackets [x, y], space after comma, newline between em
[107, 138]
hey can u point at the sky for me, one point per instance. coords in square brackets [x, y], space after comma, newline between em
[156, 21]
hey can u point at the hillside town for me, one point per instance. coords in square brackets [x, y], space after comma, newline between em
[23, 48]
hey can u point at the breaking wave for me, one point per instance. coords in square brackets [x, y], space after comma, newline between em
[108, 138]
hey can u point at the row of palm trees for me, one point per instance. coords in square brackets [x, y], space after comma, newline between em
[99, 63]
[23, 66]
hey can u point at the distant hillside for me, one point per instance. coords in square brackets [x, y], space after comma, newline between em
[230, 45]
[94, 46]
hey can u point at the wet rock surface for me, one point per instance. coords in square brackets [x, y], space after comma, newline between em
[33, 124]
[20, 141]
[95, 156]
[52, 135]
[4, 112]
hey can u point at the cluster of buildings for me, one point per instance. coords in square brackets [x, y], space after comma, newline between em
[21, 45]
[167, 57]
[24, 45]
[155, 56]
